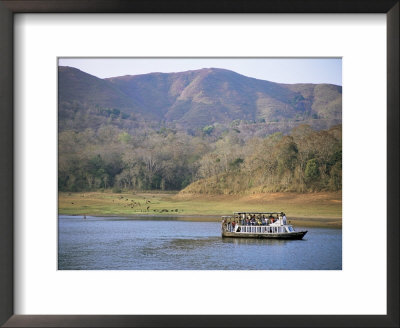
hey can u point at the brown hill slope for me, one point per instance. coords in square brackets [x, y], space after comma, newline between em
[194, 99]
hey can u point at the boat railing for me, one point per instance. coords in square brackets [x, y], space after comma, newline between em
[256, 229]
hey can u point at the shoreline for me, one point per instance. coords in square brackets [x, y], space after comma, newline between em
[334, 223]
[322, 209]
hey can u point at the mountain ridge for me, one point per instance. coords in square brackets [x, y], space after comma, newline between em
[197, 98]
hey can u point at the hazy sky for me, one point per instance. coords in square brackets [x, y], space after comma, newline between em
[283, 70]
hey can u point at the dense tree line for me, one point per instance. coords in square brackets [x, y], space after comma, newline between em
[215, 159]
[305, 160]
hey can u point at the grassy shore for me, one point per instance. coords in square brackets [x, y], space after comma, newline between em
[311, 209]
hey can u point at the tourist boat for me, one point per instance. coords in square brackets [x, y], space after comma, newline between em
[272, 225]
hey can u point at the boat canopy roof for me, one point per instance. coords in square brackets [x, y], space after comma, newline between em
[257, 213]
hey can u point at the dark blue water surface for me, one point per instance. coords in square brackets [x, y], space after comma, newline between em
[170, 244]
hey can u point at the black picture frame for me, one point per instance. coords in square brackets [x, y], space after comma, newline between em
[10, 7]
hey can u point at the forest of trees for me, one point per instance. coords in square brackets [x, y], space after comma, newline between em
[212, 160]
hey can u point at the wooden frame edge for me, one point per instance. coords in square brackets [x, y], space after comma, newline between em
[6, 165]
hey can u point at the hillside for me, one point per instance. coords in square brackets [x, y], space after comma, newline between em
[195, 99]
[306, 160]
[209, 131]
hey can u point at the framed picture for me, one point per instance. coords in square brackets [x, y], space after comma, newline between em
[40, 284]
[159, 179]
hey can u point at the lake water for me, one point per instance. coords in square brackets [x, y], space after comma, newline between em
[170, 244]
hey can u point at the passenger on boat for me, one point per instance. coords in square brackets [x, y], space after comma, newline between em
[284, 218]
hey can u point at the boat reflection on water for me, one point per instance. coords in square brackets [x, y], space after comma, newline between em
[257, 241]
